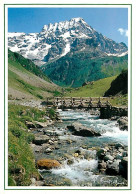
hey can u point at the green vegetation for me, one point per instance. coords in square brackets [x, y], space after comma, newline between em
[21, 163]
[20, 85]
[101, 87]
[74, 69]
[119, 90]
[119, 101]
[51, 113]
[119, 85]
[27, 64]
[25, 82]
[93, 89]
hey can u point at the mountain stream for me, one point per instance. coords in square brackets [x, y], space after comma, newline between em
[77, 154]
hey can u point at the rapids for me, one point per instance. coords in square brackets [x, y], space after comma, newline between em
[82, 170]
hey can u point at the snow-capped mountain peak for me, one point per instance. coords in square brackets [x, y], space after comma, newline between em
[58, 39]
[65, 25]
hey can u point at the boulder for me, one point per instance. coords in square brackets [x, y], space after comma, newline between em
[50, 133]
[76, 154]
[123, 167]
[80, 130]
[51, 142]
[37, 148]
[30, 124]
[70, 161]
[125, 154]
[48, 150]
[41, 139]
[47, 164]
[123, 123]
[119, 145]
[118, 156]
[40, 124]
[113, 168]
[34, 182]
[102, 165]
[101, 153]
[108, 157]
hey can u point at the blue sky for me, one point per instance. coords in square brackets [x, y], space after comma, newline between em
[111, 22]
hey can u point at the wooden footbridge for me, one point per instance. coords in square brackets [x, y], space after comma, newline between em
[77, 102]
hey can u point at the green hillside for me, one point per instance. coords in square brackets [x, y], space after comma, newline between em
[119, 85]
[93, 89]
[76, 68]
[27, 64]
[26, 82]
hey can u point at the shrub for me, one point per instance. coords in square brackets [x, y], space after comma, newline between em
[30, 138]
[16, 132]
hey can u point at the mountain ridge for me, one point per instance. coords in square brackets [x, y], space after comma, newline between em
[74, 69]
[57, 40]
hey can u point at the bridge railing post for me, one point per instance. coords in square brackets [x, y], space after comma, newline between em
[99, 104]
[90, 103]
[108, 104]
[64, 102]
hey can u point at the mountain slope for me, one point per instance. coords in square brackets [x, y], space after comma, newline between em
[56, 40]
[92, 89]
[75, 69]
[23, 84]
[119, 85]
[27, 64]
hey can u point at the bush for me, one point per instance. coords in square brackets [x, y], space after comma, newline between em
[16, 132]
[51, 113]
[30, 138]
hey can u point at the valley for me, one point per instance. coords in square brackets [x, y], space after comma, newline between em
[51, 146]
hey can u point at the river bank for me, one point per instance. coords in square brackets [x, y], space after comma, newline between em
[21, 160]
[101, 160]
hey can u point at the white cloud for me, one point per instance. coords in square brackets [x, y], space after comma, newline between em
[123, 32]
[126, 34]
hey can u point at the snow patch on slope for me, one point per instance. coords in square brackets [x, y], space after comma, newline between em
[14, 34]
[66, 50]
[118, 55]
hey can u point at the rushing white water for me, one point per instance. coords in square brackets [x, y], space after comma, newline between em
[82, 170]
[109, 129]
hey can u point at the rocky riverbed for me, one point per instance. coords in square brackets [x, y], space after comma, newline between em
[81, 150]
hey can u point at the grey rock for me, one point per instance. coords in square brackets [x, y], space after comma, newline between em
[102, 165]
[119, 145]
[113, 168]
[108, 157]
[34, 182]
[41, 139]
[70, 161]
[125, 154]
[81, 130]
[118, 157]
[30, 124]
[48, 150]
[123, 167]
[40, 124]
[123, 123]
[101, 153]
[51, 142]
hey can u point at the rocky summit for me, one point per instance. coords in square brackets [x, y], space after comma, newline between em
[56, 40]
